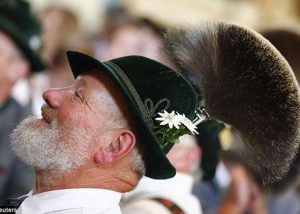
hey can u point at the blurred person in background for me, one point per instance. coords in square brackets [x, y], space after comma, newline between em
[61, 32]
[214, 177]
[123, 34]
[59, 26]
[173, 195]
[19, 46]
[244, 194]
[284, 196]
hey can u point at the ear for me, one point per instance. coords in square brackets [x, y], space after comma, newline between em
[117, 149]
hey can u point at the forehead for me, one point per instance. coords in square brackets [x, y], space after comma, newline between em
[6, 41]
[99, 83]
[102, 93]
[93, 79]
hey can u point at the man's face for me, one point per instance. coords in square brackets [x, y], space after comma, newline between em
[76, 121]
[10, 58]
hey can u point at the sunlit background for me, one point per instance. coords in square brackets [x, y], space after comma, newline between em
[257, 14]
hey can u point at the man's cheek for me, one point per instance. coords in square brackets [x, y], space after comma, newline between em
[74, 121]
[67, 118]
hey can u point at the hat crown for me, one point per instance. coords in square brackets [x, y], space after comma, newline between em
[17, 21]
[18, 13]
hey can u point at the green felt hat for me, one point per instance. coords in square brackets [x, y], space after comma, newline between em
[18, 23]
[149, 88]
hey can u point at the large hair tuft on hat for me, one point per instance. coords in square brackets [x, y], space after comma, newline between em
[246, 83]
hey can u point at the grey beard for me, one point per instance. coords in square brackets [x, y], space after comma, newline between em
[49, 148]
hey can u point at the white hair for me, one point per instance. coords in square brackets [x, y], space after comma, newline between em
[49, 148]
[136, 162]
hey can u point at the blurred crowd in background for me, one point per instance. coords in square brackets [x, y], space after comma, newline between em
[215, 179]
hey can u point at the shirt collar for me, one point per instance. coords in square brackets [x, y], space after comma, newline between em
[180, 183]
[81, 198]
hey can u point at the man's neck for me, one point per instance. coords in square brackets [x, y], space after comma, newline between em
[116, 180]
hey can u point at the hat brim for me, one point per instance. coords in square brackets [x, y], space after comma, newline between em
[36, 63]
[159, 167]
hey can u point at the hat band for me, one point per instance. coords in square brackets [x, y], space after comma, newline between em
[140, 105]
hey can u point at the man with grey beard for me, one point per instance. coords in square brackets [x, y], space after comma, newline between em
[120, 117]
[98, 137]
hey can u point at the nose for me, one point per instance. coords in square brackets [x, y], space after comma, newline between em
[52, 97]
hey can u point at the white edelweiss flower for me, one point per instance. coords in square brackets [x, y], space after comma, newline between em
[189, 124]
[169, 119]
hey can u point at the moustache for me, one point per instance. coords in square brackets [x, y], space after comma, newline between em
[48, 113]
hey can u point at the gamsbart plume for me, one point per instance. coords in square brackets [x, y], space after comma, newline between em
[247, 84]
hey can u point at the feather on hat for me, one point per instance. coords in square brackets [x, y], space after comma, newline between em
[246, 83]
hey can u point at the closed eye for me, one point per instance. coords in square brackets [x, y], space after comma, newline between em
[79, 96]
[82, 99]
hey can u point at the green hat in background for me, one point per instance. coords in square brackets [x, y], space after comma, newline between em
[149, 87]
[17, 22]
